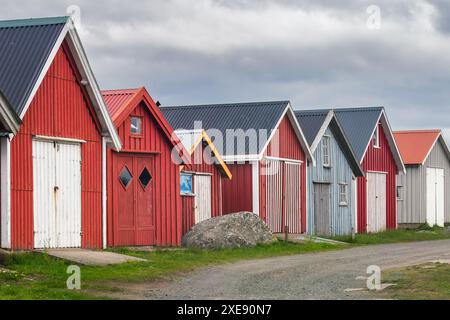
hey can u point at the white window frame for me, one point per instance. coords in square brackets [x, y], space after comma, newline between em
[327, 147]
[376, 137]
[141, 123]
[399, 195]
[343, 194]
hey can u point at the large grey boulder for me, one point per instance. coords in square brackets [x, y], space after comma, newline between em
[236, 230]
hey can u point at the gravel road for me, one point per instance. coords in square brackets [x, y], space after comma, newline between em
[325, 275]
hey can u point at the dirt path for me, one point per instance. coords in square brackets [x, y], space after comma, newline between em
[311, 276]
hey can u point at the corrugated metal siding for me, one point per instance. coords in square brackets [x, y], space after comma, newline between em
[24, 52]
[59, 109]
[237, 193]
[381, 160]
[166, 178]
[342, 217]
[285, 145]
[188, 213]
[412, 208]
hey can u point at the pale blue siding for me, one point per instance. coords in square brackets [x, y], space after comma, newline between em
[342, 217]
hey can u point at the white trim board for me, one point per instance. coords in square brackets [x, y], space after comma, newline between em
[322, 131]
[5, 196]
[70, 34]
[255, 187]
[391, 141]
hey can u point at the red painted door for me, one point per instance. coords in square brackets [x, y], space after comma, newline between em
[133, 193]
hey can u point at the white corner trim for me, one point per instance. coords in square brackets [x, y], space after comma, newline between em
[432, 147]
[255, 187]
[9, 120]
[322, 131]
[86, 70]
[104, 196]
[355, 206]
[5, 196]
[392, 143]
[45, 69]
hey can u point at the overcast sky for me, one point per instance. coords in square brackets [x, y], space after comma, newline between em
[317, 53]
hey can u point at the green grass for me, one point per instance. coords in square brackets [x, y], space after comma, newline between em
[394, 236]
[425, 282]
[43, 277]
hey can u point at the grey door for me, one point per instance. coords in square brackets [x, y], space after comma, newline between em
[322, 200]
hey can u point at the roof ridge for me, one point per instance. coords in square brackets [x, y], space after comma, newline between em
[33, 22]
[418, 131]
[117, 91]
[218, 105]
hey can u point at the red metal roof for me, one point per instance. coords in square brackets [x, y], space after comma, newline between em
[415, 146]
[116, 99]
[121, 102]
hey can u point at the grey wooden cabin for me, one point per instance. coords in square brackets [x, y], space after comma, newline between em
[423, 194]
[331, 183]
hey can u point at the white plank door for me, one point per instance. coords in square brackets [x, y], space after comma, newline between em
[57, 195]
[435, 197]
[376, 202]
[68, 206]
[44, 178]
[202, 189]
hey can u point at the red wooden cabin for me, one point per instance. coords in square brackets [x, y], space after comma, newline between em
[144, 202]
[55, 128]
[266, 155]
[372, 139]
[202, 179]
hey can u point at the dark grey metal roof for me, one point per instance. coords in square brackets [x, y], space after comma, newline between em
[25, 46]
[255, 116]
[358, 125]
[311, 121]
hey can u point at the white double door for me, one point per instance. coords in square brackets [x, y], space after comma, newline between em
[57, 194]
[376, 202]
[435, 197]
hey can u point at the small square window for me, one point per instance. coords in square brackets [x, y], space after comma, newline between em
[136, 125]
[343, 194]
[186, 184]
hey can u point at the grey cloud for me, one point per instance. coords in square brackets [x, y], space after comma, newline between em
[197, 51]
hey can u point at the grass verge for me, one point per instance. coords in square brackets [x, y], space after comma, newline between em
[395, 236]
[38, 276]
[424, 282]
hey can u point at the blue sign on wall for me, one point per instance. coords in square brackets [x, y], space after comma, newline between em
[186, 184]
